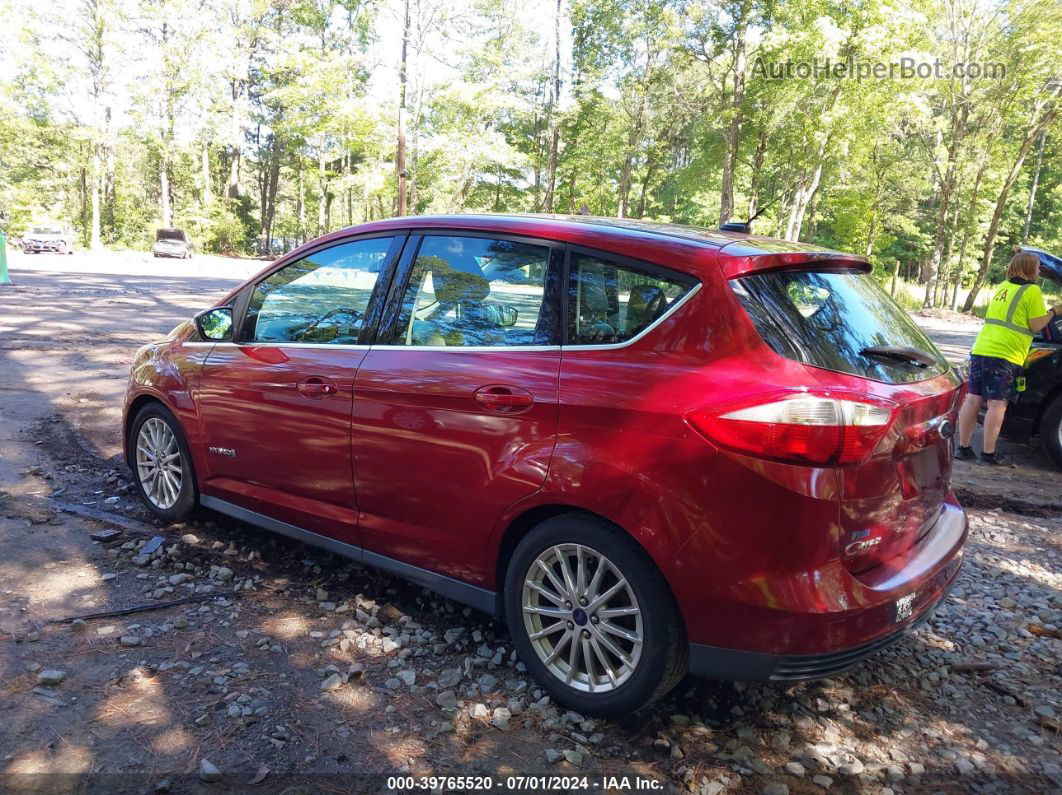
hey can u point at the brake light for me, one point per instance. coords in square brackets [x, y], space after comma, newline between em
[803, 427]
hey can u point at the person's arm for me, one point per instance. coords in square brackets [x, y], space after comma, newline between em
[1036, 324]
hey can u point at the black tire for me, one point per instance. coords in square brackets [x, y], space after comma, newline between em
[1051, 431]
[664, 654]
[187, 503]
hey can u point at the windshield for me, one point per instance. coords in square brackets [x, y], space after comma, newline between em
[45, 230]
[170, 235]
[833, 320]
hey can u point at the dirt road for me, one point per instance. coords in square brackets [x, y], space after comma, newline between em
[310, 671]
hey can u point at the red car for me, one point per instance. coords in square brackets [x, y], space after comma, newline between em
[650, 448]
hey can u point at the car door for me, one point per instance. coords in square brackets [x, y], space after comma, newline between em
[275, 405]
[455, 408]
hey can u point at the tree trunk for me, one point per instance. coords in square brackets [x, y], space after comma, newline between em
[650, 169]
[271, 194]
[871, 233]
[971, 216]
[757, 169]
[300, 207]
[166, 212]
[110, 200]
[940, 289]
[97, 189]
[322, 182]
[1032, 189]
[233, 188]
[802, 196]
[232, 185]
[732, 135]
[551, 166]
[208, 194]
[400, 159]
[809, 183]
[947, 185]
[895, 277]
[809, 233]
[633, 138]
[997, 214]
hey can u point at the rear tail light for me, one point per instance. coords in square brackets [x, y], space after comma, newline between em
[822, 429]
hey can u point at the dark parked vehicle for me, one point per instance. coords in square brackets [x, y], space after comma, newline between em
[650, 448]
[1037, 412]
[56, 238]
[172, 243]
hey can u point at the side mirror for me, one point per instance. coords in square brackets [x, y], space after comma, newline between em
[215, 324]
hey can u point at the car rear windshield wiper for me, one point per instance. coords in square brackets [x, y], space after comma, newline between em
[901, 353]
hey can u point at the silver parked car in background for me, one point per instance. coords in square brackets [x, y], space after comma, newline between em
[49, 237]
[172, 243]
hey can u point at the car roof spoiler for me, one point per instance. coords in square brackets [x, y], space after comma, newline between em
[1050, 265]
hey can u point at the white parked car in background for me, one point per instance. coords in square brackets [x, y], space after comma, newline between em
[49, 237]
[172, 243]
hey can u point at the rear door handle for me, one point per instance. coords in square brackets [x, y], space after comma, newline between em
[502, 399]
[317, 387]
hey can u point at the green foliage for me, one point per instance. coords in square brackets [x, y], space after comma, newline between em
[258, 124]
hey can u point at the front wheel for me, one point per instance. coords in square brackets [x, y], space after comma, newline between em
[1051, 431]
[592, 618]
[162, 464]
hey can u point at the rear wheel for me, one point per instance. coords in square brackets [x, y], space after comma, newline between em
[592, 618]
[1051, 431]
[162, 464]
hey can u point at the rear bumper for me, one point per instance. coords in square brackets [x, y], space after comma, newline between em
[733, 664]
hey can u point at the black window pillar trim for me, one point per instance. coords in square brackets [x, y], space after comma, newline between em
[388, 321]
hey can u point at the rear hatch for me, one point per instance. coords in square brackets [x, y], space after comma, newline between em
[170, 237]
[1050, 265]
[854, 340]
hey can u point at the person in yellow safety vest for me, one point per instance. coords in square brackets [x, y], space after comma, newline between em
[1015, 314]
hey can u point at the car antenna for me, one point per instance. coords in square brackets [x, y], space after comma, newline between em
[746, 226]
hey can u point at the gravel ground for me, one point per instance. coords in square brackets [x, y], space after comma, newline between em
[294, 669]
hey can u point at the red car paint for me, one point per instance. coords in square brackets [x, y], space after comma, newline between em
[406, 459]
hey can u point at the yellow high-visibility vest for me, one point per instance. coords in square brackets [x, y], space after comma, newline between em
[1006, 333]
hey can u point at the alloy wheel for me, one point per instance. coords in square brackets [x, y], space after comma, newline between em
[158, 463]
[582, 618]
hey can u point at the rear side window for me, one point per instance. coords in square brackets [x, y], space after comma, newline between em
[837, 320]
[610, 302]
[477, 292]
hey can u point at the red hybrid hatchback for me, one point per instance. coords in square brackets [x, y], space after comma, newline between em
[650, 448]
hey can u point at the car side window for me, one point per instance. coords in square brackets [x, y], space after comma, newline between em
[472, 291]
[322, 298]
[610, 302]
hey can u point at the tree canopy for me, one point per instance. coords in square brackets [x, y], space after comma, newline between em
[924, 135]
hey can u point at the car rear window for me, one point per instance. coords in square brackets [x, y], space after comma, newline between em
[831, 319]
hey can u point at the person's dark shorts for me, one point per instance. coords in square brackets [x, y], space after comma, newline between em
[993, 378]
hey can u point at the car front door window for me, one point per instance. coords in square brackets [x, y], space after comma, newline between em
[322, 298]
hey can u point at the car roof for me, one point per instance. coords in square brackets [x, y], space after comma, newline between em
[689, 248]
[578, 226]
